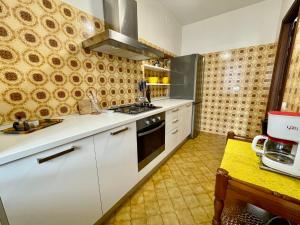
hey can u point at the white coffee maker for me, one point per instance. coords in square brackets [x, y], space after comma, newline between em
[281, 148]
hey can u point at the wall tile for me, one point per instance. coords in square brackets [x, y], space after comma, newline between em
[236, 86]
[43, 69]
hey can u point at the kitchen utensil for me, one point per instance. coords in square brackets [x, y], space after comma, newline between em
[93, 97]
[84, 107]
[142, 86]
[281, 149]
[42, 124]
[148, 94]
[144, 89]
[156, 63]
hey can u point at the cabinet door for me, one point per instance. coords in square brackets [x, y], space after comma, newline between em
[187, 120]
[59, 190]
[116, 154]
[172, 140]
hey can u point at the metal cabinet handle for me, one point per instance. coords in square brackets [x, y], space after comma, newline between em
[119, 131]
[48, 158]
[175, 131]
[175, 121]
[175, 110]
[151, 131]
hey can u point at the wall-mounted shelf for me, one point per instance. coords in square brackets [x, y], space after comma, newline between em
[157, 84]
[156, 68]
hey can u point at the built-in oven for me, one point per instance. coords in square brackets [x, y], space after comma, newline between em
[150, 138]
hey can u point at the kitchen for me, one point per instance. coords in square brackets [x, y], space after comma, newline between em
[116, 112]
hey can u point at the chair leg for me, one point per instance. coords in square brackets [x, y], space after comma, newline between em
[220, 195]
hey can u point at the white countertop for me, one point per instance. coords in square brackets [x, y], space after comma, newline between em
[14, 147]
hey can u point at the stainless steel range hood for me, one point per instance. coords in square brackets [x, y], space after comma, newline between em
[120, 37]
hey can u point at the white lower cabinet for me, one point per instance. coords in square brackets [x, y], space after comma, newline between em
[116, 154]
[56, 187]
[178, 126]
[75, 184]
[172, 140]
[185, 120]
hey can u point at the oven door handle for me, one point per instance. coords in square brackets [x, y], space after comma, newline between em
[151, 131]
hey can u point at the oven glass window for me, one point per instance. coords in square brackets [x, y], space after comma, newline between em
[151, 142]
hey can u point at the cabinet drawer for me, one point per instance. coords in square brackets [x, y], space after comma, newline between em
[172, 124]
[172, 119]
[172, 114]
[172, 140]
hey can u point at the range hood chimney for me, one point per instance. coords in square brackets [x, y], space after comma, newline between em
[120, 37]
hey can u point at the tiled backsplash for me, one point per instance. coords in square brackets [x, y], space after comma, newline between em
[292, 90]
[43, 69]
[236, 87]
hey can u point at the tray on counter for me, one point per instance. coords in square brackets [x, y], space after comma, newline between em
[42, 124]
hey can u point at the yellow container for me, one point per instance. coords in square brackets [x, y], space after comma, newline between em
[153, 80]
[166, 80]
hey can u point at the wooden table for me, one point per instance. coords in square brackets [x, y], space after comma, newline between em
[241, 179]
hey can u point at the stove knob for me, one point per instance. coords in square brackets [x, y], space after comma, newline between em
[147, 122]
[153, 120]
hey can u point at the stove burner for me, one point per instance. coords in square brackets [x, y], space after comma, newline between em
[135, 108]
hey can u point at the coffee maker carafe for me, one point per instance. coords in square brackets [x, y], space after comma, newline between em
[281, 149]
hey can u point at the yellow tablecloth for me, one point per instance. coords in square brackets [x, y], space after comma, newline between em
[242, 163]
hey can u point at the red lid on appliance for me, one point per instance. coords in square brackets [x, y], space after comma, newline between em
[286, 142]
[284, 113]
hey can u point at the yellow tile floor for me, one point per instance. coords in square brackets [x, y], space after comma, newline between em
[181, 191]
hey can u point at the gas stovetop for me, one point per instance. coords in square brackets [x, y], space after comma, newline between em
[134, 108]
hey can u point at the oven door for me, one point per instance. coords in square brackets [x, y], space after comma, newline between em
[150, 143]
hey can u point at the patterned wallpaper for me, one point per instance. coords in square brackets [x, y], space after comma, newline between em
[292, 90]
[236, 87]
[43, 69]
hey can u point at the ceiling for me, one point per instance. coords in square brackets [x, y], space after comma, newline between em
[190, 11]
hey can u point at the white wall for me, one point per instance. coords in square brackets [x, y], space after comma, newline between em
[252, 25]
[156, 24]
[159, 26]
[286, 4]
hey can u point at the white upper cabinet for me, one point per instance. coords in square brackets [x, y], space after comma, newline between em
[116, 154]
[56, 187]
